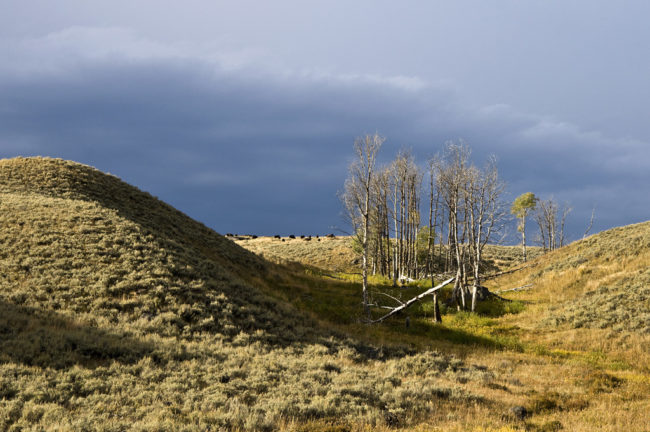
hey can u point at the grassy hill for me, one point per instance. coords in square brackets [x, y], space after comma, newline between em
[332, 254]
[592, 294]
[600, 282]
[119, 312]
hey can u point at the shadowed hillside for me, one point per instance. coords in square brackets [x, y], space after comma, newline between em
[119, 312]
[121, 256]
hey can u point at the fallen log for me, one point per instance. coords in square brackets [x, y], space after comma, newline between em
[519, 288]
[379, 306]
[504, 272]
[390, 296]
[413, 300]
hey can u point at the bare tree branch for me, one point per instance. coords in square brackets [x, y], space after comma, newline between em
[390, 296]
[413, 300]
[504, 272]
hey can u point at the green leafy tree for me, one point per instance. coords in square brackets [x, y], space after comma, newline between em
[521, 207]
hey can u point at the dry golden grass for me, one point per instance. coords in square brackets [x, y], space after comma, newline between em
[332, 254]
[583, 332]
[117, 312]
[589, 311]
[337, 254]
[593, 293]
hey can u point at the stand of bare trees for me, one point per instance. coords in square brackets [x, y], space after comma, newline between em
[434, 206]
[381, 243]
[465, 211]
[395, 219]
[406, 184]
[471, 201]
[550, 219]
[486, 214]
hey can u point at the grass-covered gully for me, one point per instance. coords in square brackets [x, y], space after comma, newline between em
[118, 312]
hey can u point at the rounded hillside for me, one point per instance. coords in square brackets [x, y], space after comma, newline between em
[57, 178]
[119, 312]
[602, 281]
[85, 243]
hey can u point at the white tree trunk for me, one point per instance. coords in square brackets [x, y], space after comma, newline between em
[413, 300]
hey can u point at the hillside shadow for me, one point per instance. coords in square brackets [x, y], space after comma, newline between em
[453, 335]
[437, 333]
[337, 302]
[463, 337]
[46, 339]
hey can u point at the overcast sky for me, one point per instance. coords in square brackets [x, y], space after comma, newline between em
[243, 114]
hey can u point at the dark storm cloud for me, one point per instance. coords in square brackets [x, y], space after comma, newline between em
[244, 149]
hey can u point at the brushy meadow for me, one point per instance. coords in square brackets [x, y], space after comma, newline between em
[118, 312]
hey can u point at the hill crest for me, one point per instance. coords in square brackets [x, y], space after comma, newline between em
[58, 178]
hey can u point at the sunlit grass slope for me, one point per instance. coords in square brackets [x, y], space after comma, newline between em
[333, 254]
[600, 282]
[552, 350]
[337, 254]
[589, 304]
[118, 312]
